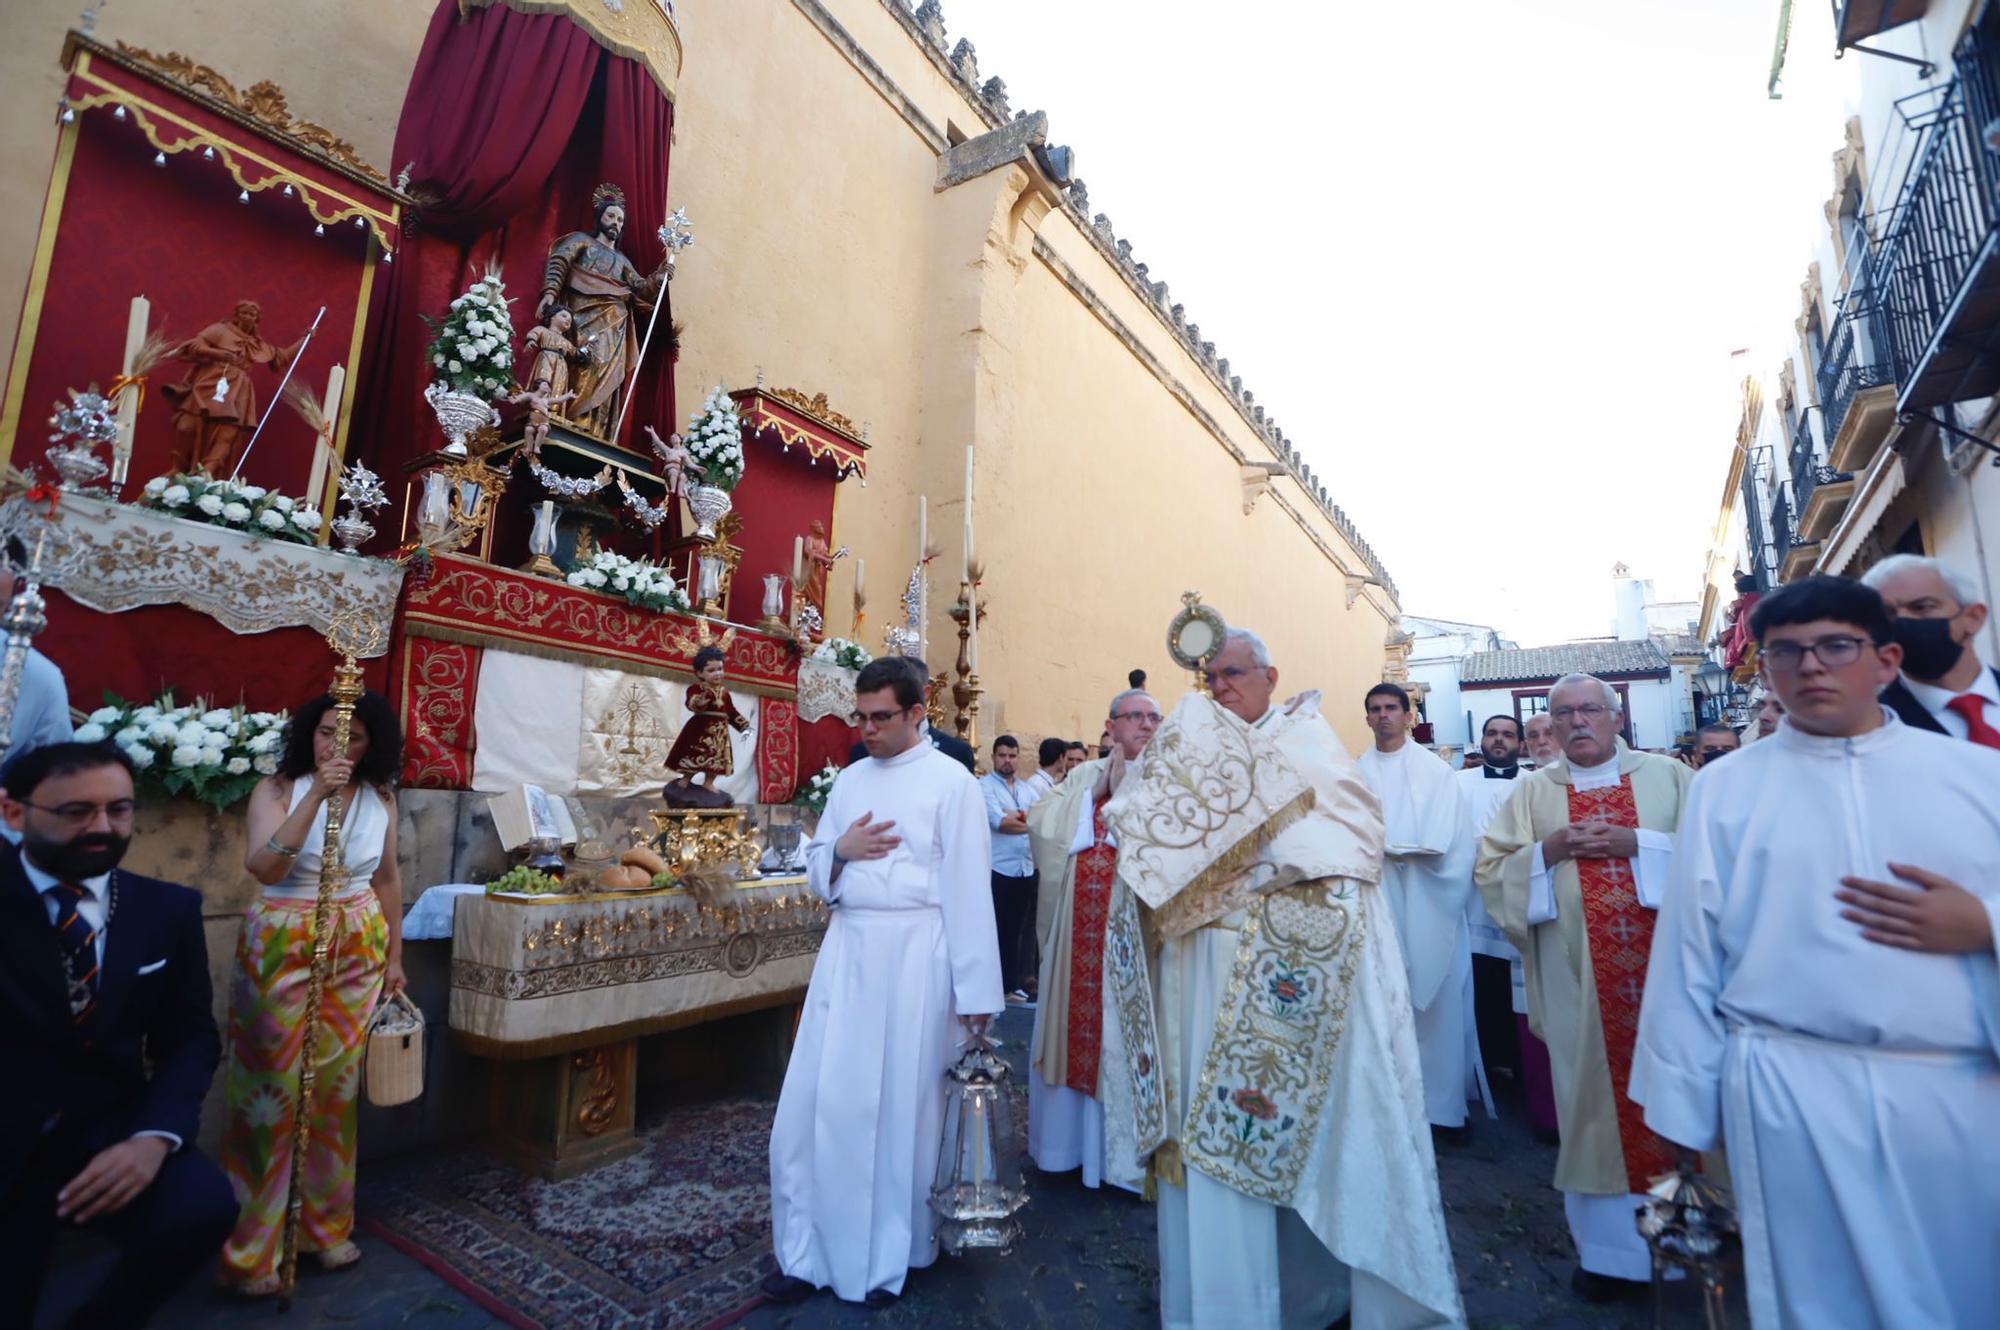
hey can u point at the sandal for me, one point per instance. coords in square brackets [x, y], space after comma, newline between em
[344, 1256]
[263, 1286]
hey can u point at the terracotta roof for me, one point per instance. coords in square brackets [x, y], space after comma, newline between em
[1546, 664]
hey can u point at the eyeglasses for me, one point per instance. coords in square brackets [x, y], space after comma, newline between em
[877, 718]
[1588, 712]
[1229, 672]
[1148, 717]
[119, 812]
[1833, 652]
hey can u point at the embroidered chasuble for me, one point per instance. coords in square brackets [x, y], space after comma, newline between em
[1096, 870]
[1621, 939]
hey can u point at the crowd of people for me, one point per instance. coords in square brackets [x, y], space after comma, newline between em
[1781, 970]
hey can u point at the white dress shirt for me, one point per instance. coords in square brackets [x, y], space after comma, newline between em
[1937, 701]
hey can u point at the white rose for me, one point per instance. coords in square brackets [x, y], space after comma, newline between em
[252, 492]
[188, 755]
[577, 578]
[89, 733]
[174, 496]
[211, 757]
[130, 735]
[283, 504]
[271, 520]
[621, 584]
[163, 732]
[438, 360]
[105, 715]
[215, 717]
[209, 504]
[306, 518]
[264, 743]
[141, 757]
[236, 766]
[267, 765]
[459, 301]
[156, 487]
[146, 714]
[455, 367]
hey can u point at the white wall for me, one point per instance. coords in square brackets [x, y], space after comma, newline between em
[1654, 714]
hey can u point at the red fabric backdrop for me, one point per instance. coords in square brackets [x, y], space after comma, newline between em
[510, 121]
[780, 495]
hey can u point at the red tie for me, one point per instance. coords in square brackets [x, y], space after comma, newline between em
[1972, 706]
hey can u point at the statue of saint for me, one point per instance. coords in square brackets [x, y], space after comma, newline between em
[702, 748]
[675, 462]
[215, 408]
[819, 559]
[604, 293]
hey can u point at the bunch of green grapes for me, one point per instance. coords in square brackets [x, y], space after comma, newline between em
[524, 881]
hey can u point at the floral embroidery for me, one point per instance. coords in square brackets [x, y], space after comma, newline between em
[1289, 990]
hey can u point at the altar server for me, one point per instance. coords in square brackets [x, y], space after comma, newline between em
[910, 967]
[1296, 1179]
[1080, 1055]
[1426, 878]
[1849, 1056]
[1572, 868]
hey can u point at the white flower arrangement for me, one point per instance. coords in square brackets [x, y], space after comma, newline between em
[638, 581]
[839, 651]
[214, 755]
[715, 440]
[253, 509]
[472, 346]
[816, 790]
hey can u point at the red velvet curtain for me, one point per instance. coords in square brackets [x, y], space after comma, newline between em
[510, 121]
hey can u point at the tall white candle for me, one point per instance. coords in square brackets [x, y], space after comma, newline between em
[323, 460]
[128, 401]
[798, 559]
[966, 575]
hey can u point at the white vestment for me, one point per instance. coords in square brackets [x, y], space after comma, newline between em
[1427, 878]
[910, 944]
[1483, 795]
[1367, 1231]
[1857, 1086]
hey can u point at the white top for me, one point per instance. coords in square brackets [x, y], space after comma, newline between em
[1937, 701]
[1420, 802]
[363, 832]
[1649, 869]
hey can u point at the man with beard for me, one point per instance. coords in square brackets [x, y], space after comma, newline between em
[1539, 734]
[587, 274]
[107, 1044]
[215, 407]
[1936, 612]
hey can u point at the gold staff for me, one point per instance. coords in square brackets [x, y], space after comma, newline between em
[351, 635]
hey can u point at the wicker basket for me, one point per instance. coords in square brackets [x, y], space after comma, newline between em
[394, 1071]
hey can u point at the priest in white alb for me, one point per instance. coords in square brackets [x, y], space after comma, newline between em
[1500, 993]
[1572, 867]
[1094, 1016]
[909, 968]
[1823, 991]
[1426, 878]
[1295, 1176]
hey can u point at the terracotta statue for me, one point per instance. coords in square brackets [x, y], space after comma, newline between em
[818, 563]
[215, 409]
[605, 293]
[675, 461]
[702, 746]
[541, 407]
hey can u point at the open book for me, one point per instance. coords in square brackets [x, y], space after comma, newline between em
[527, 813]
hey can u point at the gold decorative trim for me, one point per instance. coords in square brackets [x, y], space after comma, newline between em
[814, 406]
[38, 289]
[641, 30]
[263, 102]
[531, 644]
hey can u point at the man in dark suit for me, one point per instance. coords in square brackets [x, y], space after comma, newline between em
[953, 747]
[107, 1045]
[1937, 614]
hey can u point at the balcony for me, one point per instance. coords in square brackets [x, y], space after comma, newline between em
[1940, 261]
[1819, 492]
[1858, 20]
[1857, 382]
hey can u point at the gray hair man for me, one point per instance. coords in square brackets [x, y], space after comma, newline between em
[1573, 868]
[1936, 614]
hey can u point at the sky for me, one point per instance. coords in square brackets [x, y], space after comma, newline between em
[1487, 261]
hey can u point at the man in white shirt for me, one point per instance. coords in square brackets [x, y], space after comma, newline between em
[1853, 1070]
[1936, 616]
[1426, 878]
[41, 713]
[1050, 768]
[901, 856]
[1007, 803]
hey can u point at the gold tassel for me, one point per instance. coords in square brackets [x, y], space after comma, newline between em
[1166, 1166]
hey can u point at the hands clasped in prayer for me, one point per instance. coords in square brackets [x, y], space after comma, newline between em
[1594, 839]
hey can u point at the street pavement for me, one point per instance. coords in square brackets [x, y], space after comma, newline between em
[1087, 1261]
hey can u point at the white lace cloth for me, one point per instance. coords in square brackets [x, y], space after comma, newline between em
[824, 690]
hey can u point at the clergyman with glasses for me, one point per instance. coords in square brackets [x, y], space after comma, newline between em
[910, 965]
[1573, 867]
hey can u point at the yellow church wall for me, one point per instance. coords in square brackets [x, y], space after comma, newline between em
[1108, 461]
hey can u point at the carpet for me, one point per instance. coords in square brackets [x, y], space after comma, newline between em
[673, 1237]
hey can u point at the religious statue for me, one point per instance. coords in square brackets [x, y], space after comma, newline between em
[603, 290]
[675, 461]
[215, 409]
[702, 746]
[819, 558]
[541, 407]
[1739, 645]
[550, 345]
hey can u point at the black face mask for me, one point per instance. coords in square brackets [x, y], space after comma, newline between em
[89, 855]
[1928, 651]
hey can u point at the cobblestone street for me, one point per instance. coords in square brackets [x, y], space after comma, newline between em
[1088, 1262]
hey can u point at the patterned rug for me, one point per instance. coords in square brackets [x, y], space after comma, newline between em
[673, 1237]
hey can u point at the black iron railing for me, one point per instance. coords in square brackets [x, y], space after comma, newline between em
[1947, 211]
[1857, 353]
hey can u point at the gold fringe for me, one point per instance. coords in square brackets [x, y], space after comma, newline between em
[1165, 1166]
[472, 637]
[1191, 907]
[638, 30]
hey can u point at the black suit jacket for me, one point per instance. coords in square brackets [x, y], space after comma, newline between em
[144, 1058]
[953, 747]
[1904, 703]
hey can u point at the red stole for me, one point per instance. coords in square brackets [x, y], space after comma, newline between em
[1090, 907]
[1620, 933]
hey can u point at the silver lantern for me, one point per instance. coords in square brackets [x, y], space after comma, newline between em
[1688, 1225]
[978, 1187]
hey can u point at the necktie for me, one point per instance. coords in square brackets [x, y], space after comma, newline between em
[1972, 707]
[78, 941]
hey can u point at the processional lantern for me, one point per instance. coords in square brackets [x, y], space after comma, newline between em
[978, 1187]
[1689, 1225]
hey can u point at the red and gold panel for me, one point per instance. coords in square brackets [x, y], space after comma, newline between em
[439, 685]
[777, 750]
[794, 461]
